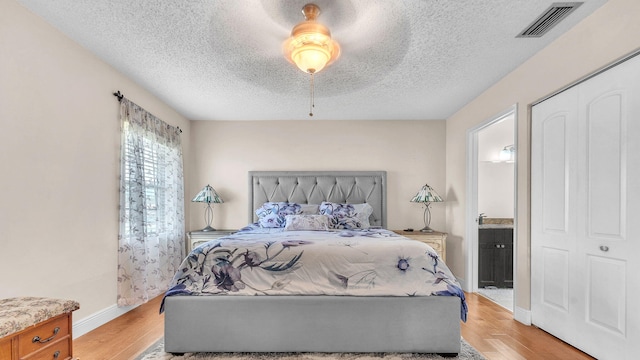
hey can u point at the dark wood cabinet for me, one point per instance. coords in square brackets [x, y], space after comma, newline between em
[495, 258]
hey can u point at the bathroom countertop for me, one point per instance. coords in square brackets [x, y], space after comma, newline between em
[496, 223]
[495, 226]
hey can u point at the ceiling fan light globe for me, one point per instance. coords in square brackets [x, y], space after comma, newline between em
[311, 58]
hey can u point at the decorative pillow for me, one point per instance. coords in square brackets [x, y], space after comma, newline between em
[310, 209]
[271, 214]
[306, 222]
[347, 216]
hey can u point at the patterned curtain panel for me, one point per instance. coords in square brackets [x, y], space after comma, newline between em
[151, 237]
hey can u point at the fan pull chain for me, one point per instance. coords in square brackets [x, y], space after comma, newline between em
[311, 91]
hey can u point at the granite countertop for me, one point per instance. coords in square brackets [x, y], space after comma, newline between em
[495, 226]
[496, 223]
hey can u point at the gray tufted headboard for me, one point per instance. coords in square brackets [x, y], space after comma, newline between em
[314, 187]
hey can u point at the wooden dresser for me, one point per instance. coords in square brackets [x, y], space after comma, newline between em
[36, 329]
[437, 240]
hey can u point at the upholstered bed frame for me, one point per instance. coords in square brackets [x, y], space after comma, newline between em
[426, 324]
[313, 187]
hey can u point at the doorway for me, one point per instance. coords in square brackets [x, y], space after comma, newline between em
[491, 186]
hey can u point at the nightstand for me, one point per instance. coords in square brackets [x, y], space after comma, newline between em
[437, 240]
[198, 237]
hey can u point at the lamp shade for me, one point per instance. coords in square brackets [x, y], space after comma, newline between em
[208, 195]
[426, 195]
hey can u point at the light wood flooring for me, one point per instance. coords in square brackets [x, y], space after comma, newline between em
[490, 328]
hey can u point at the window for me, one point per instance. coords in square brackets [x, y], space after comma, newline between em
[151, 237]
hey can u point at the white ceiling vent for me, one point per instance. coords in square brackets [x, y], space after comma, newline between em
[548, 19]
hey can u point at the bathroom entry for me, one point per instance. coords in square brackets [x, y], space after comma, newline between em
[495, 210]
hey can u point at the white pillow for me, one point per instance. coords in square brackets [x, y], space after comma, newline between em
[310, 209]
[306, 222]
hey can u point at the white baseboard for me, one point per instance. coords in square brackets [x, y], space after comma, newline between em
[522, 315]
[99, 318]
[463, 285]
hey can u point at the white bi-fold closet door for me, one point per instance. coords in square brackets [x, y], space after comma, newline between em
[585, 214]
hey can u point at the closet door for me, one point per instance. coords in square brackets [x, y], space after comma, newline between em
[585, 195]
[553, 215]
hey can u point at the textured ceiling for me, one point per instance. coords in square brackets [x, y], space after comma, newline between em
[222, 59]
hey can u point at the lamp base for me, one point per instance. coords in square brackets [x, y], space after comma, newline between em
[208, 228]
[426, 229]
[427, 218]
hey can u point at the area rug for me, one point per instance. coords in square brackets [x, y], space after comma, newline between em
[156, 352]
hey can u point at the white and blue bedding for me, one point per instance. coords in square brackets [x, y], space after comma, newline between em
[273, 261]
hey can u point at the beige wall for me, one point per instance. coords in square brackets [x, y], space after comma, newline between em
[412, 153]
[59, 151]
[608, 34]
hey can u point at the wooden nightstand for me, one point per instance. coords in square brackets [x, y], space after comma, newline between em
[198, 237]
[437, 240]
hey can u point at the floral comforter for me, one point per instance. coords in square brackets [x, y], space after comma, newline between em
[258, 261]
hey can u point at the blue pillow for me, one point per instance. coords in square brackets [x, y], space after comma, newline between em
[347, 216]
[272, 214]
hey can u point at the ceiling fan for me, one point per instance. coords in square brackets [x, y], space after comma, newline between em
[373, 39]
[310, 46]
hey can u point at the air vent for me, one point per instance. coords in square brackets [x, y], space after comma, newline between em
[549, 18]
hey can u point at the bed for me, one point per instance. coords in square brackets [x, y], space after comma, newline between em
[364, 318]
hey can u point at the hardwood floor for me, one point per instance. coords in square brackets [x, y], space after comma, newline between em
[490, 328]
[124, 337]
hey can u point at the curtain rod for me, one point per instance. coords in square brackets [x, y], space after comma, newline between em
[119, 95]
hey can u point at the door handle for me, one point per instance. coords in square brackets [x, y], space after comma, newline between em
[604, 248]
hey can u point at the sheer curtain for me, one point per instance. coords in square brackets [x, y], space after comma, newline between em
[151, 237]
